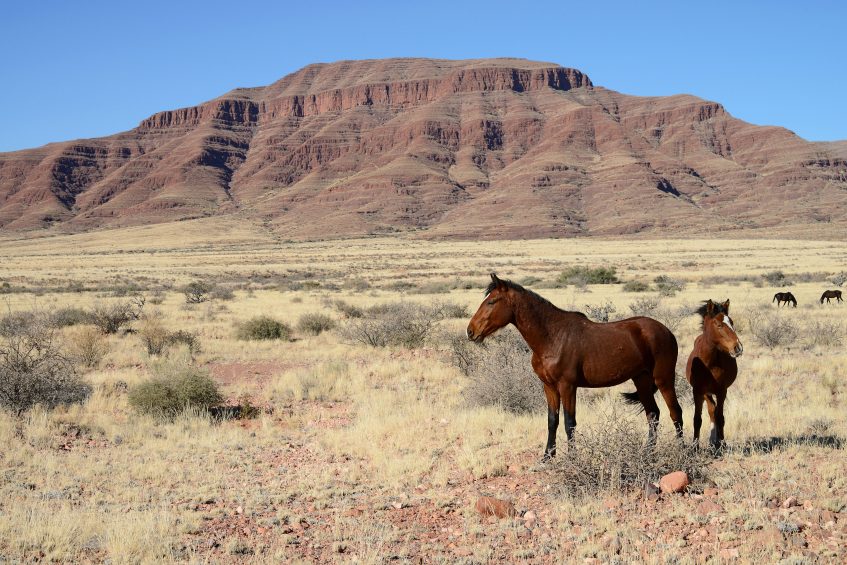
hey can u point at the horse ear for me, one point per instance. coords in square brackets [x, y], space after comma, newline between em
[710, 308]
[725, 306]
[496, 280]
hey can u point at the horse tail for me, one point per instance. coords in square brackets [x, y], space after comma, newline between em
[633, 398]
[774, 298]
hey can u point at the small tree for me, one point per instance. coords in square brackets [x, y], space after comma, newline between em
[197, 292]
[34, 371]
[112, 317]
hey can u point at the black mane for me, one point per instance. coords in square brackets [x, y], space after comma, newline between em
[717, 306]
[518, 288]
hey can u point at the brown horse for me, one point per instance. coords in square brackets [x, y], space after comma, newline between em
[571, 351]
[836, 294]
[712, 368]
[786, 297]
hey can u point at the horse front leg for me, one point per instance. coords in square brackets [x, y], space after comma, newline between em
[699, 397]
[718, 443]
[553, 401]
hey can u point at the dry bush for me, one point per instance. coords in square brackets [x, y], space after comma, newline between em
[34, 371]
[499, 372]
[839, 279]
[446, 310]
[153, 335]
[87, 346]
[600, 312]
[825, 333]
[264, 327]
[186, 338]
[400, 324]
[348, 310]
[175, 388]
[651, 307]
[612, 455]
[773, 330]
[315, 323]
[222, 293]
[668, 286]
[110, 318]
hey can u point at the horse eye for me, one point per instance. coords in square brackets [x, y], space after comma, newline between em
[491, 302]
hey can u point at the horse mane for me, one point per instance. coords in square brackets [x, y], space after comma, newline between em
[518, 288]
[718, 309]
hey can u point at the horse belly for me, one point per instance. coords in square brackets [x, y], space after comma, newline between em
[612, 368]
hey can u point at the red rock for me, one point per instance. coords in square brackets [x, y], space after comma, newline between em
[530, 518]
[498, 135]
[674, 482]
[710, 492]
[729, 553]
[490, 506]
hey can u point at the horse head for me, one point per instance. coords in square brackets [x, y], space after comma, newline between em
[495, 311]
[718, 326]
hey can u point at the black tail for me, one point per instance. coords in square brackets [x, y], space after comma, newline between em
[632, 397]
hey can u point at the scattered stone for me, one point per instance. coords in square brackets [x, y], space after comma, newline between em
[710, 492]
[529, 519]
[788, 527]
[490, 506]
[674, 482]
[707, 507]
[729, 553]
[790, 502]
[614, 545]
[651, 491]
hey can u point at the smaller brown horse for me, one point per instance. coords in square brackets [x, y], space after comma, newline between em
[786, 297]
[827, 294]
[570, 351]
[712, 368]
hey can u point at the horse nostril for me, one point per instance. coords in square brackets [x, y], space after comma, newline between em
[739, 349]
[470, 333]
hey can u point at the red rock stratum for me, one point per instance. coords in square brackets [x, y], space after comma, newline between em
[493, 148]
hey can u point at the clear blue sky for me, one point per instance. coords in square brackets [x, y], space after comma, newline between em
[90, 68]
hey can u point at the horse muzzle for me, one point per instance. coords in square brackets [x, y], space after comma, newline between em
[739, 349]
[474, 338]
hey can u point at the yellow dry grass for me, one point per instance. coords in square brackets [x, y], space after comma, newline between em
[356, 433]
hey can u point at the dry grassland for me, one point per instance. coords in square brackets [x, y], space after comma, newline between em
[370, 455]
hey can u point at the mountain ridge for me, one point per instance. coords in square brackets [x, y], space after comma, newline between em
[492, 148]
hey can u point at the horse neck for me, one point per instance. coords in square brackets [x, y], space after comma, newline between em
[532, 319]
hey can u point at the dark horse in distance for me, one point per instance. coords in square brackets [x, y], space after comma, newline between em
[786, 297]
[712, 368]
[827, 294]
[570, 351]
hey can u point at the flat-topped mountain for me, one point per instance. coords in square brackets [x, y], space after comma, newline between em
[494, 148]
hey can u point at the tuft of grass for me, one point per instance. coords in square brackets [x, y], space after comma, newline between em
[87, 346]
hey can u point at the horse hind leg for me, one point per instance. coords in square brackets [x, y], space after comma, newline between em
[645, 390]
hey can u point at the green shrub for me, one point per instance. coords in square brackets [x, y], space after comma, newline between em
[222, 293]
[66, 317]
[315, 323]
[580, 275]
[178, 389]
[348, 310]
[264, 327]
[185, 337]
[636, 286]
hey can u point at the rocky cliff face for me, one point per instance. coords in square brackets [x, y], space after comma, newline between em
[483, 148]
